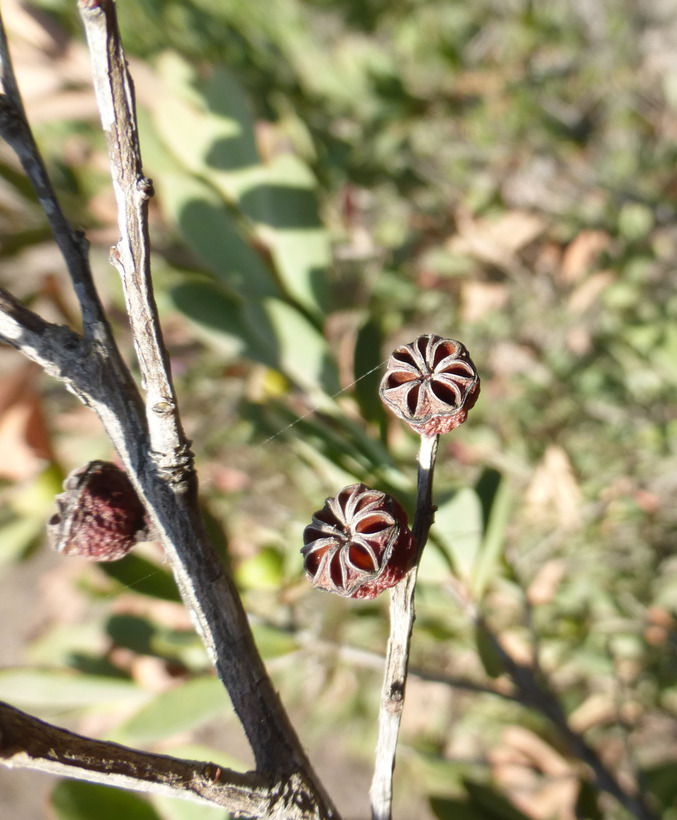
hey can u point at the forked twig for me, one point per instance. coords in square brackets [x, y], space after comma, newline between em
[147, 433]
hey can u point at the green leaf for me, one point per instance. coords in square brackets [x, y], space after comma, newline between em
[303, 351]
[261, 571]
[187, 706]
[208, 227]
[496, 498]
[208, 129]
[494, 805]
[176, 809]
[75, 800]
[458, 527]
[488, 655]
[271, 332]
[284, 206]
[61, 644]
[446, 808]
[213, 136]
[65, 690]
[225, 322]
[142, 576]
[435, 567]
[272, 642]
[367, 360]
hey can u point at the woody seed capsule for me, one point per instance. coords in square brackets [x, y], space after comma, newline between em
[431, 384]
[100, 516]
[358, 544]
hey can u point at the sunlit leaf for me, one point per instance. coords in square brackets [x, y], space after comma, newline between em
[261, 571]
[143, 576]
[496, 498]
[74, 800]
[186, 707]
[209, 228]
[64, 690]
[458, 527]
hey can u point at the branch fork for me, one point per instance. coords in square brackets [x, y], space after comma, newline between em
[148, 436]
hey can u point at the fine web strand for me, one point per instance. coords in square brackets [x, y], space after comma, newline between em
[277, 435]
[131, 586]
[318, 407]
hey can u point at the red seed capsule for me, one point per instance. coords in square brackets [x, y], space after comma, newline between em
[358, 544]
[100, 515]
[431, 384]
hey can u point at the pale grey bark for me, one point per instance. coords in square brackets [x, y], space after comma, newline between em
[402, 616]
[145, 428]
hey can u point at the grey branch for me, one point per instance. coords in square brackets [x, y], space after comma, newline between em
[402, 615]
[131, 255]
[26, 742]
[147, 435]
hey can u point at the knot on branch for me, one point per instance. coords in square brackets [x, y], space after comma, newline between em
[144, 186]
[291, 799]
[176, 468]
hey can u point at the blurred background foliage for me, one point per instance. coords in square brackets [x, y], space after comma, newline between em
[332, 179]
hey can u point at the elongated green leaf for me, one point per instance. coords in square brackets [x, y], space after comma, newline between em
[208, 227]
[447, 808]
[458, 527]
[367, 371]
[189, 705]
[74, 800]
[208, 129]
[272, 642]
[488, 655]
[212, 134]
[144, 577]
[175, 809]
[435, 567]
[497, 506]
[225, 322]
[271, 332]
[59, 645]
[494, 805]
[64, 690]
[303, 350]
[284, 206]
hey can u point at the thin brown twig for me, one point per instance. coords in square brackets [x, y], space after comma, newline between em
[402, 616]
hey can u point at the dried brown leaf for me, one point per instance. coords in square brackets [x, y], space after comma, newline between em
[553, 496]
[581, 254]
[480, 298]
[498, 240]
[25, 441]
